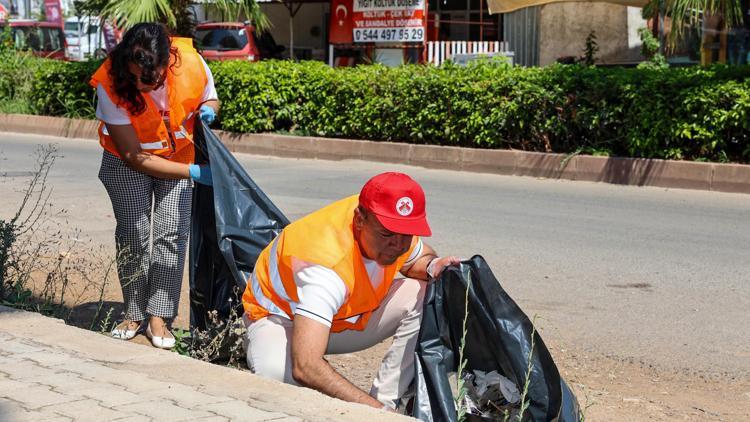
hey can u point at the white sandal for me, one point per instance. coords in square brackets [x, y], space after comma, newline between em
[160, 342]
[123, 331]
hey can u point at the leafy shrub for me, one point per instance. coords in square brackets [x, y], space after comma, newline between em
[61, 89]
[17, 71]
[675, 113]
[49, 87]
[650, 49]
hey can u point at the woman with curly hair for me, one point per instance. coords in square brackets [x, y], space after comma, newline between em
[149, 89]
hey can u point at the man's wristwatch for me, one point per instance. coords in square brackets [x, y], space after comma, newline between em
[431, 267]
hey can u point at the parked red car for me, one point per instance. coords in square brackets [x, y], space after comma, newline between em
[234, 41]
[44, 39]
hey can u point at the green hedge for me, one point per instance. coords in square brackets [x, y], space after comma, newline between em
[48, 87]
[683, 113]
[680, 113]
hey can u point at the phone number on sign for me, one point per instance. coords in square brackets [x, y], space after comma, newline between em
[388, 34]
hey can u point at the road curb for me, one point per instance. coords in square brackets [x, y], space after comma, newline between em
[733, 178]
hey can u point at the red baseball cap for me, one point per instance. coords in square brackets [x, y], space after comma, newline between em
[398, 202]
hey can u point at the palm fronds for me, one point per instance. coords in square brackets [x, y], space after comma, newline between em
[236, 9]
[126, 13]
[173, 13]
[689, 14]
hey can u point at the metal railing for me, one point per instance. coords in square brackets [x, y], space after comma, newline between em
[440, 51]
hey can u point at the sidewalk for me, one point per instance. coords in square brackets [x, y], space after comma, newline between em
[50, 371]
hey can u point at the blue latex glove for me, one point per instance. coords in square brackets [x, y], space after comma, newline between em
[201, 174]
[208, 115]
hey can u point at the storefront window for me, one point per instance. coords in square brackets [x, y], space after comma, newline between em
[465, 20]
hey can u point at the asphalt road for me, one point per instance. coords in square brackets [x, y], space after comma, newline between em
[655, 275]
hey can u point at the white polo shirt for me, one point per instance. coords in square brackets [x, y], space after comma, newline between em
[322, 292]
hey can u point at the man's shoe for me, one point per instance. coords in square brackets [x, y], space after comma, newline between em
[160, 342]
[123, 331]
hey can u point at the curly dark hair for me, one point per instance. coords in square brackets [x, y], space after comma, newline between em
[146, 45]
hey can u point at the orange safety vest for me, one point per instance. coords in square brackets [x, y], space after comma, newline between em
[325, 238]
[185, 84]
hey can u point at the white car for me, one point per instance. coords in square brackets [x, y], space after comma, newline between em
[84, 38]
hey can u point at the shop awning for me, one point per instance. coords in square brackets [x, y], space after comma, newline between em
[505, 6]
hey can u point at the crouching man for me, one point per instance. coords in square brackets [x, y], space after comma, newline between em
[330, 284]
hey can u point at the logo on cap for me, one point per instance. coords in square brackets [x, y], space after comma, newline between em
[404, 206]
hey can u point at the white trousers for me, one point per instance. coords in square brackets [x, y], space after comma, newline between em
[268, 342]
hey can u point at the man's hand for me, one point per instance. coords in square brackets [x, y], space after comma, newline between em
[309, 343]
[429, 265]
[437, 265]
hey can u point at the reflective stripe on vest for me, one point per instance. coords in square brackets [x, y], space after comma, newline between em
[278, 287]
[154, 145]
[164, 143]
[273, 272]
[266, 302]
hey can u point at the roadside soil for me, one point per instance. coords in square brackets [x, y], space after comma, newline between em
[608, 388]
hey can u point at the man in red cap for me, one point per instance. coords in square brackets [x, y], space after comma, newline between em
[340, 280]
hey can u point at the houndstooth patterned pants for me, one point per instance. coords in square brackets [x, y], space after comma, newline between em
[150, 265]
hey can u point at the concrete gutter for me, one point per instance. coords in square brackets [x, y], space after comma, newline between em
[626, 171]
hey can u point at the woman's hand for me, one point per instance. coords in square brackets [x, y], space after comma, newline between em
[201, 174]
[208, 114]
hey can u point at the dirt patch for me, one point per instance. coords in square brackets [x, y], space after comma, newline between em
[618, 389]
[610, 389]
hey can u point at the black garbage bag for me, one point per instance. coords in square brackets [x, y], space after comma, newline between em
[498, 338]
[232, 222]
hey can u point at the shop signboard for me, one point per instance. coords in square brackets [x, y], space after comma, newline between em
[53, 11]
[388, 21]
[377, 21]
[3, 13]
[111, 36]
